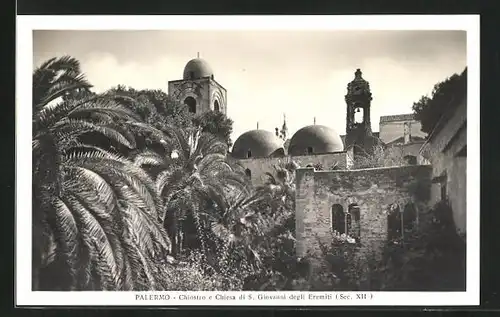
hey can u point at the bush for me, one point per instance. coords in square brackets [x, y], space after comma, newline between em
[193, 275]
[431, 258]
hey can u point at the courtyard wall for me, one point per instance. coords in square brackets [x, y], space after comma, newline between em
[259, 166]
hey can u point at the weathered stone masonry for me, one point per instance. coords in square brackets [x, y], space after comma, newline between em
[259, 166]
[373, 190]
[446, 150]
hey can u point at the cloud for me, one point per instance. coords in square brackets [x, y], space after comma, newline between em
[269, 73]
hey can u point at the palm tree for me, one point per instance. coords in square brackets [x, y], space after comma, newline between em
[275, 241]
[101, 229]
[280, 186]
[195, 173]
[94, 212]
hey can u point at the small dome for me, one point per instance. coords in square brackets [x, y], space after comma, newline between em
[315, 139]
[197, 68]
[257, 143]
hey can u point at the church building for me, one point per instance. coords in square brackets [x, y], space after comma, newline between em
[259, 150]
[371, 206]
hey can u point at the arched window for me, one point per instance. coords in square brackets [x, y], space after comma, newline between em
[338, 219]
[248, 173]
[309, 150]
[191, 103]
[358, 115]
[354, 227]
[249, 153]
[394, 231]
[216, 106]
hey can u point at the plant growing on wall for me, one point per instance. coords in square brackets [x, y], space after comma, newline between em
[381, 157]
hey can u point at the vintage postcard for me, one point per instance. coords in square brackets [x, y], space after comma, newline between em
[247, 160]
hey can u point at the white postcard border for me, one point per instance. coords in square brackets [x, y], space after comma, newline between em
[24, 68]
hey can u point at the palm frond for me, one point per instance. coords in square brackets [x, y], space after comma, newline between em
[149, 158]
[151, 235]
[104, 254]
[93, 185]
[139, 264]
[54, 78]
[114, 171]
[155, 134]
[62, 87]
[106, 106]
[77, 127]
[180, 141]
[66, 233]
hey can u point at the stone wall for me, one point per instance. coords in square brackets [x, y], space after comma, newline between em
[219, 94]
[409, 149]
[259, 166]
[373, 190]
[446, 150]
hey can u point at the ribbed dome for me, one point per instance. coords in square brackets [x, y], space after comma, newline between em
[315, 139]
[197, 68]
[257, 143]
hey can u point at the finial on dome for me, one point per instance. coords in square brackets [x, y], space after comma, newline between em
[257, 125]
[198, 54]
[314, 120]
[358, 73]
[284, 129]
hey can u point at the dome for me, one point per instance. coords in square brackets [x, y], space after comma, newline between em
[315, 139]
[257, 143]
[197, 68]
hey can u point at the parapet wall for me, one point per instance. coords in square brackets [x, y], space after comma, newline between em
[373, 190]
[259, 166]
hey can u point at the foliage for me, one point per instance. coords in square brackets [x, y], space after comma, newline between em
[275, 240]
[155, 107]
[431, 258]
[217, 124]
[446, 96]
[191, 275]
[381, 157]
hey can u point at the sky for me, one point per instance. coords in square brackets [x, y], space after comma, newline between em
[303, 74]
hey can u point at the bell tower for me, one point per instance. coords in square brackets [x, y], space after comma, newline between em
[358, 124]
[198, 90]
